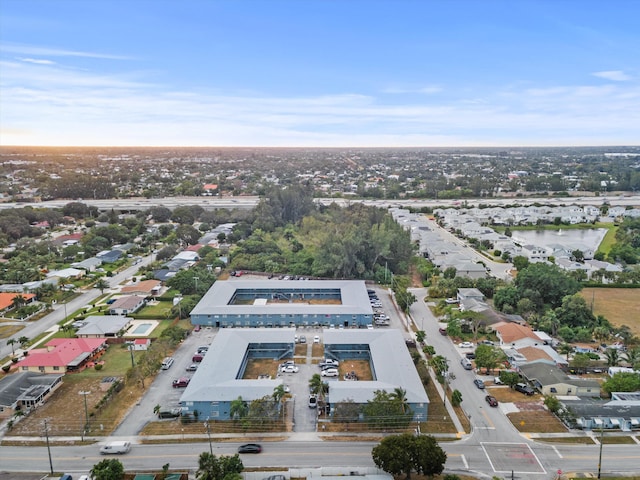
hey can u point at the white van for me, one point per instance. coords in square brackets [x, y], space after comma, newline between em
[466, 363]
[115, 448]
[166, 363]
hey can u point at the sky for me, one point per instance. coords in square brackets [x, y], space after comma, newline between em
[327, 73]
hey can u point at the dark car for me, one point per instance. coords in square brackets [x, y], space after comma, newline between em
[470, 355]
[479, 383]
[181, 382]
[492, 401]
[443, 331]
[173, 413]
[249, 448]
[524, 388]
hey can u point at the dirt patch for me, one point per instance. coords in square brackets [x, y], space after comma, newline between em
[621, 306]
[262, 368]
[540, 421]
[361, 369]
[508, 395]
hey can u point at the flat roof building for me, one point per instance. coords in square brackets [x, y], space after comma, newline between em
[284, 303]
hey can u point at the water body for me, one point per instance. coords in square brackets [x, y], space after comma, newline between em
[579, 238]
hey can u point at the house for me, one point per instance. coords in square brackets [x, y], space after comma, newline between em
[551, 380]
[90, 264]
[25, 390]
[126, 305]
[109, 256]
[63, 355]
[470, 293]
[145, 288]
[7, 299]
[67, 274]
[103, 326]
[515, 335]
[535, 253]
[471, 270]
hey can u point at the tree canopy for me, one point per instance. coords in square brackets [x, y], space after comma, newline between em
[406, 453]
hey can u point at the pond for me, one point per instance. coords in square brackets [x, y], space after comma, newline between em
[584, 238]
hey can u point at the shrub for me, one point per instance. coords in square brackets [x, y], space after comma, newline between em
[98, 366]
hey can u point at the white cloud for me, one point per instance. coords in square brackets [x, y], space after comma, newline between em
[57, 52]
[613, 75]
[37, 61]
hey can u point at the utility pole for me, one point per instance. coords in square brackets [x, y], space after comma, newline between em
[46, 434]
[131, 352]
[600, 456]
[196, 286]
[86, 412]
[206, 424]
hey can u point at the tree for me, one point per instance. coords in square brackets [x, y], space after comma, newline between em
[12, 342]
[102, 285]
[574, 312]
[456, 398]
[238, 409]
[613, 357]
[385, 411]
[111, 469]
[509, 378]
[622, 382]
[211, 467]
[565, 349]
[317, 386]
[551, 283]
[398, 454]
[346, 412]
[520, 262]
[420, 336]
[632, 357]
[488, 357]
[580, 362]
[23, 341]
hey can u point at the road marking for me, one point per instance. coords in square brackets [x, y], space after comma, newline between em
[485, 428]
[464, 460]
[556, 450]
[484, 414]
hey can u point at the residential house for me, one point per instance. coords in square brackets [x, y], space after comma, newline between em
[7, 299]
[67, 274]
[516, 335]
[23, 391]
[145, 288]
[141, 344]
[109, 256]
[551, 380]
[126, 305]
[622, 412]
[103, 326]
[89, 264]
[63, 355]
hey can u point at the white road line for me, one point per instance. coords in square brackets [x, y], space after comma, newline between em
[464, 460]
[556, 450]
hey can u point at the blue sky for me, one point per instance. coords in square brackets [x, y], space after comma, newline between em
[330, 73]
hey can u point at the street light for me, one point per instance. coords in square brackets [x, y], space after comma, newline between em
[86, 411]
[206, 424]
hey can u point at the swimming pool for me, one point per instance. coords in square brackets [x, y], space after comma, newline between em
[141, 328]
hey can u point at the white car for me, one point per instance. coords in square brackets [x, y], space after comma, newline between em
[289, 369]
[466, 345]
[316, 339]
[330, 372]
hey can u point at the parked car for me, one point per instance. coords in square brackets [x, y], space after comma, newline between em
[181, 382]
[470, 355]
[173, 413]
[492, 401]
[330, 362]
[192, 368]
[443, 331]
[289, 369]
[313, 401]
[303, 339]
[198, 328]
[465, 345]
[451, 300]
[524, 388]
[249, 448]
[167, 362]
[479, 383]
[286, 364]
[197, 358]
[330, 372]
[497, 381]
[316, 339]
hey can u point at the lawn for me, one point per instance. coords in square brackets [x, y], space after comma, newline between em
[539, 421]
[621, 306]
[609, 239]
[158, 309]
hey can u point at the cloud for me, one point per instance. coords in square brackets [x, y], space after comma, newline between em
[613, 75]
[56, 52]
[37, 61]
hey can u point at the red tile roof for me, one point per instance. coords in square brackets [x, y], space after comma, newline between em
[6, 299]
[61, 351]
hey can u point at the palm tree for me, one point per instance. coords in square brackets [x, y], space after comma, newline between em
[23, 341]
[18, 301]
[400, 395]
[102, 285]
[632, 357]
[317, 385]
[613, 357]
[565, 349]
[12, 342]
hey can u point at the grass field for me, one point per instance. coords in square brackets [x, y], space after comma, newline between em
[621, 306]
